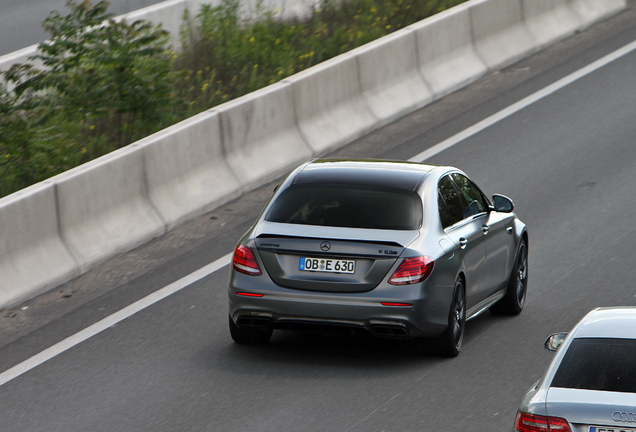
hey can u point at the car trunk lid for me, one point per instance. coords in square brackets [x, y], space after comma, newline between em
[283, 247]
[585, 408]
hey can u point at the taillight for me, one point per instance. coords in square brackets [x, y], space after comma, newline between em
[530, 423]
[558, 424]
[412, 270]
[535, 423]
[244, 261]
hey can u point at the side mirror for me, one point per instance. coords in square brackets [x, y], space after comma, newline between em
[553, 342]
[502, 204]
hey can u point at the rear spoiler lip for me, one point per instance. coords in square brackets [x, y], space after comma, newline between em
[377, 242]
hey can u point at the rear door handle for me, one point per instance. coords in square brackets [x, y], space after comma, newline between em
[509, 229]
[485, 229]
[462, 242]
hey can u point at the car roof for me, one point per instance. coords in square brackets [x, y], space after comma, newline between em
[371, 172]
[608, 322]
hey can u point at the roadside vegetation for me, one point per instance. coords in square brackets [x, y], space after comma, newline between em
[105, 88]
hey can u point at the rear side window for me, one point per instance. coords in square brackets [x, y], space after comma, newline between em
[454, 206]
[598, 364]
[348, 206]
[444, 215]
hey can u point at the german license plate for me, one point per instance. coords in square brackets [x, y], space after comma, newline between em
[610, 429]
[327, 265]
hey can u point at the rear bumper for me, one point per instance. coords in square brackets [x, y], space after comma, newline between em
[378, 328]
[341, 313]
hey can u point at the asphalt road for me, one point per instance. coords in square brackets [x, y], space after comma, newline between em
[568, 161]
[21, 20]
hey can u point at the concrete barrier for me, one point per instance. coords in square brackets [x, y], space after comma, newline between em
[186, 173]
[33, 258]
[103, 208]
[389, 76]
[447, 56]
[260, 137]
[329, 106]
[593, 11]
[289, 8]
[21, 56]
[500, 36]
[168, 13]
[550, 20]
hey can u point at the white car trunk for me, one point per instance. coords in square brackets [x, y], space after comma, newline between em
[585, 408]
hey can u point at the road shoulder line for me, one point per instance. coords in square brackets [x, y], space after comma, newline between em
[523, 103]
[113, 319]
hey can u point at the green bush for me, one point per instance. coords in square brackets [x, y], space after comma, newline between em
[115, 77]
[108, 83]
[101, 89]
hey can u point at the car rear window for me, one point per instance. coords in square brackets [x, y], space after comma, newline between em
[348, 206]
[598, 364]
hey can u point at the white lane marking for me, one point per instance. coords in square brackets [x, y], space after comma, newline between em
[523, 103]
[153, 298]
[113, 319]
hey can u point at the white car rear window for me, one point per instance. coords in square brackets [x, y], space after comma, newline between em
[598, 364]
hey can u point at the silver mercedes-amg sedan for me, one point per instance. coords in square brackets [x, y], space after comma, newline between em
[395, 249]
[590, 385]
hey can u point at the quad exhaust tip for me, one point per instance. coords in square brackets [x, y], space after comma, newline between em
[390, 331]
[253, 321]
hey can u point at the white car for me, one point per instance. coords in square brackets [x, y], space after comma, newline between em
[590, 385]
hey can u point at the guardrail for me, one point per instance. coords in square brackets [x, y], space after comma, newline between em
[58, 229]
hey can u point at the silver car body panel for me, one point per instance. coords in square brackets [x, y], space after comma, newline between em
[585, 408]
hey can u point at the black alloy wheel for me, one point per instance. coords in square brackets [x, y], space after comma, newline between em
[514, 300]
[451, 340]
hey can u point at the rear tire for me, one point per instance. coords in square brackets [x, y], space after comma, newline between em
[514, 300]
[249, 335]
[450, 342]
